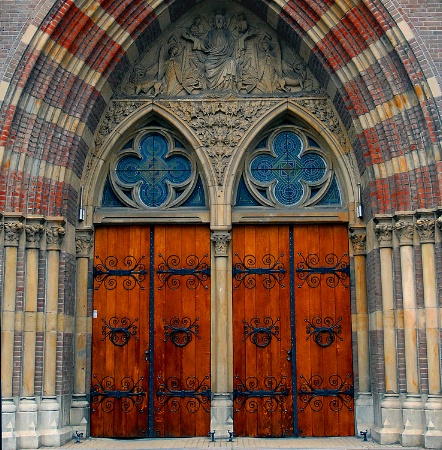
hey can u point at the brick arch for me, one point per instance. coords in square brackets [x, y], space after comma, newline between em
[359, 53]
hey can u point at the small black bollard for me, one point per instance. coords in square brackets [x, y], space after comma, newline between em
[212, 435]
[230, 436]
[364, 433]
[79, 436]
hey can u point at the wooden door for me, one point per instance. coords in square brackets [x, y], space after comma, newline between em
[292, 334]
[323, 331]
[262, 368]
[120, 332]
[151, 332]
[182, 330]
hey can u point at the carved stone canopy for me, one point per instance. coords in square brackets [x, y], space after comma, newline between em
[217, 51]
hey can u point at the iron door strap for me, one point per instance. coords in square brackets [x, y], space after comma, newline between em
[245, 271]
[273, 392]
[339, 394]
[106, 273]
[335, 271]
[195, 394]
[195, 270]
[131, 394]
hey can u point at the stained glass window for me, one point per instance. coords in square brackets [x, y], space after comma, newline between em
[288, 169]
[155, 172]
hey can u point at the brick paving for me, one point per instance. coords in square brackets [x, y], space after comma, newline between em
[348, 443]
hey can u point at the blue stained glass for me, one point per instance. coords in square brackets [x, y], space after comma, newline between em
[109, 199]
[287, 168]
[243, 196]
[197, 198]
[333, 195]
[153, 170]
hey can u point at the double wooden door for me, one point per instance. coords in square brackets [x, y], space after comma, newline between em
[151, 332]
[292, 331]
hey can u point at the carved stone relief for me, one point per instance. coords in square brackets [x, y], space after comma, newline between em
[218, 51]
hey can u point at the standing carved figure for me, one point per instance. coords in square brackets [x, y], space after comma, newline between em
[222, 53]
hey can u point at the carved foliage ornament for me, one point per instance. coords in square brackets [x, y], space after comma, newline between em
[13, 230]
[405, 231]
[384, 232]
[220, 125]
[425, 229]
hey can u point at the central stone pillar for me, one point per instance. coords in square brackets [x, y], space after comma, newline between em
[412, 408]
[391, 414]
[27, 435]
[222, 405]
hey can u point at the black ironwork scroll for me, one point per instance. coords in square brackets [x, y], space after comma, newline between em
[194, 394]
[196, 271]
[335, 271]
[339, 394]
[106, 273]
[274, 394]
[181, 331]
[261, 335]
[131, 394]
[245, 271]
[119, 335]
[323, 332]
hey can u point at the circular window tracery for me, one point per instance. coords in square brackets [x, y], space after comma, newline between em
[289, 169]
[155, 171]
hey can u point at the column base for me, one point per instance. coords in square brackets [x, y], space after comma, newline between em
[364, 414]
[26, 421]
[413, 420]
[221, 413]
[48, 424]
[389, 431]
[9, 438]
[433, 421]
[79, 414]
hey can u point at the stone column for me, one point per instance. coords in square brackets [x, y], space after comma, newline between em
[49, 414]
[222, 405]
[79, 415]
[412, 411]
[13, 228]
[364, 399]
[425, 226]
[26, 418]
[391, 414]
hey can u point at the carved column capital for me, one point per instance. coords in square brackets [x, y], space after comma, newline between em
[34, 230]
[426, 226]
[384, 230]
[358, 238]
[83, 242]
[404, 229]
[221, 240]
[13, 229]
[55, 232]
